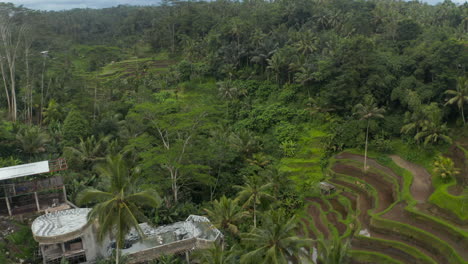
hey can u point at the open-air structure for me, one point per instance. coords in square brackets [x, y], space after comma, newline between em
[21, 194]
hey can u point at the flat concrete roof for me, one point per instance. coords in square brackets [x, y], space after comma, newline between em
[60, 222]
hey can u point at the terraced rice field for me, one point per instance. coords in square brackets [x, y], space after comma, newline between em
[386, 216]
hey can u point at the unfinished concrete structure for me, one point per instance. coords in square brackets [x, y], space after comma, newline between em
[67, 234]
[20, 194]
[196, 232]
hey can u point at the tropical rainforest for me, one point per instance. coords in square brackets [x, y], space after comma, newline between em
[238, 110]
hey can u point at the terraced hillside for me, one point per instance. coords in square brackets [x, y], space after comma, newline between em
[385, 214]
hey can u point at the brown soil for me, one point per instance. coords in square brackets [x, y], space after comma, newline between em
[384, 189]
[421, 187]
[314, 212]
[333, 218]
[364, 202]
[423, 246]
[455, 190]
[325, 207]
[372, 163]
[443, 214]
[339, 207]
[383, 248]
[459, 243]
[352, 198]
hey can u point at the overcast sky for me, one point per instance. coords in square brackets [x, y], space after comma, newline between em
[69, 4]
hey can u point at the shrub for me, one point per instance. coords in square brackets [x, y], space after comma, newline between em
[75, 127]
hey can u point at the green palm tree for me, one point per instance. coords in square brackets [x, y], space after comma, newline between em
[275, 241]
[459, 96]
[433, 132]
[226, 214]
[215, 255]
[275, 64]
[91, 149]
[32, 140]
[368, 111]
[332, 251]
[252, 192]
[118, 207]
[227, 90]
[414, 122]
[307, 43]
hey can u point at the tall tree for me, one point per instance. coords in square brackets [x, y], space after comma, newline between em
[32, 140]
[459, 96]
[252, 192]
[11, 36]
[226, 214]
[171, 131]
[367, 111]
[275, 241]
[118, 207]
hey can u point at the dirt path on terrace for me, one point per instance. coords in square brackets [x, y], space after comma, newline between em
[421, 187]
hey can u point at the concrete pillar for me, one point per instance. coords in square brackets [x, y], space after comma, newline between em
[37, 202]
[43, 254]
[64, 193]
[8, 205]
[63, 247]
[187, 257]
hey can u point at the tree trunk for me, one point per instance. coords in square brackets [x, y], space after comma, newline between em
[255, 212]
[365, 151]
[463, 115]
[5, 84]
[117, 253]
[42, 91]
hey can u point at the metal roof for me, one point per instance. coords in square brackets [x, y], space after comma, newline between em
[24, 170]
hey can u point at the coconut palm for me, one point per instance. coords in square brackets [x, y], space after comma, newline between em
[215, 255]
[90, 150]
[252, 192]
[275, 241]
[368, 111]
[226, 214]
[275, 64]
[414, 122]
[307, 43]
[332, 251]
[117, 209]
[227, 90]
[459, 96]
[32, 140]
[433, 132]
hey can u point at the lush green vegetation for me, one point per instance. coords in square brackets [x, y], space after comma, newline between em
[236, 110]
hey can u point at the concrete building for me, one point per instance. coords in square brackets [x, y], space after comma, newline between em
[196, 232]
[68, 234]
